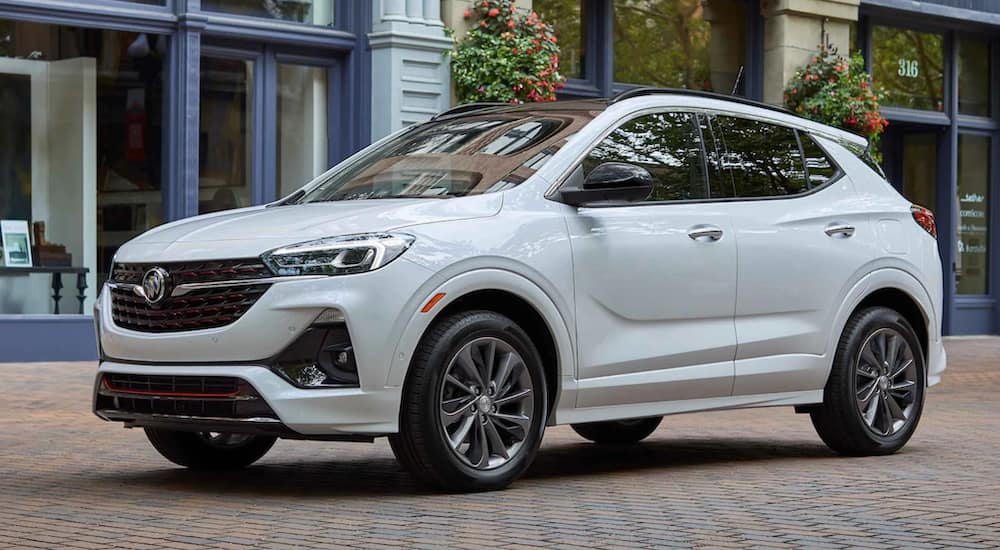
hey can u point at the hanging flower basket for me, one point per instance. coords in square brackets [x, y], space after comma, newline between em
[837, 91]
[507, 56]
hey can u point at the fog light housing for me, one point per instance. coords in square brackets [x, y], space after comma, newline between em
[322, 357]
[305, 375]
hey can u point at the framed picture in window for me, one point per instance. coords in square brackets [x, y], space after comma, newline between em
[16, 243]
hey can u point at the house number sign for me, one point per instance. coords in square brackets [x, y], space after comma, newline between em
[908, 68]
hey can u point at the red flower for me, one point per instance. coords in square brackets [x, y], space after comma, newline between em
[511, 23]
[466, 14]
[493, 12]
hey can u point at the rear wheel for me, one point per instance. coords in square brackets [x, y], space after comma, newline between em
[209, 450]
[875, 394]
[618, 432]
[474, 405]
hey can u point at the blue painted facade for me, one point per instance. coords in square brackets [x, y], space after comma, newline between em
[955, 20]
[384, 42]
[192, 33]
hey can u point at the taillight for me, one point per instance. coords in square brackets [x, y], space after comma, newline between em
[925, 219]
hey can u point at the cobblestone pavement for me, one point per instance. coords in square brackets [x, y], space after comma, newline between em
[722, 479]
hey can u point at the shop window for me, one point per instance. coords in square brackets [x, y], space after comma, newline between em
[568, 19]
[974, 77]
[666, 145]
[80, 150]
[910, 66]
[696, 44]
[302, 126]
[920, 170]
[313, 12]
[225, 145]
[757, 159]
[973, 257]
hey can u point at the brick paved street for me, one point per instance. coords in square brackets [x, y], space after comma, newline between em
[722, 479]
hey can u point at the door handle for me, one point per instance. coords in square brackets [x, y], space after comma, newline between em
[708, 233]
[840, 230]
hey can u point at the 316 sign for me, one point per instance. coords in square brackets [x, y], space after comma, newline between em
[908, 68]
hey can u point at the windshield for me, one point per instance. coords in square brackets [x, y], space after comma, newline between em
[467, 155]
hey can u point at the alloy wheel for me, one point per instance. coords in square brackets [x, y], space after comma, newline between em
[886, 382]
[486, 403]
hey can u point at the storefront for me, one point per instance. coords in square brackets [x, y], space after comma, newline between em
[939, 63]
[610, 45]
[119, 115]
[938, 60]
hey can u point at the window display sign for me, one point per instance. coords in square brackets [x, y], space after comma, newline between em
[910, 66]
[972, 268]
[16, 243]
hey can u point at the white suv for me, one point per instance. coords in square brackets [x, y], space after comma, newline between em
[464, 283]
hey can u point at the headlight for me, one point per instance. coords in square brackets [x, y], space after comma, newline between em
[338, 255]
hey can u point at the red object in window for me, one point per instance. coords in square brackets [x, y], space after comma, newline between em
[924, 218]
[135, 125]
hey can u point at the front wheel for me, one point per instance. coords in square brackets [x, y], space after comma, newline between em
[618, 432]
[209, 450]
[875, 393]
[474, 404]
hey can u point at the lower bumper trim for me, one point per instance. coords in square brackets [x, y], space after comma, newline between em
[254, 426]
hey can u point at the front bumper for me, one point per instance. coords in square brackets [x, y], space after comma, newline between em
[376, 306]
[303, 412]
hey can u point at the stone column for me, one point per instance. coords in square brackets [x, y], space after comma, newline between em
[410, 73]
[793, 31]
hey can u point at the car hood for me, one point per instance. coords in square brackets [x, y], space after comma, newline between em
[249, 232]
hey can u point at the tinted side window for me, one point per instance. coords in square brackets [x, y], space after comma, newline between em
[762, 160]
[864, 154]
[819, 167]
[665, 144]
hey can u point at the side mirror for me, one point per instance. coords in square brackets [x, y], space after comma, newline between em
[610, 182]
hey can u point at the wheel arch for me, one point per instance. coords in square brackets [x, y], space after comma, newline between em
[901, 302]
[897, 290]
[511, 295]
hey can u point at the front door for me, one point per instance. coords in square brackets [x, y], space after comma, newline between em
[655, 281]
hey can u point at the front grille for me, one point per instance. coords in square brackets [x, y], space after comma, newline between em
[197, 396]
[195, 272]
[199, 309]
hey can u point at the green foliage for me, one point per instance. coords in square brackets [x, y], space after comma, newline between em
[507, 56]
[663, 43]
[835, 90]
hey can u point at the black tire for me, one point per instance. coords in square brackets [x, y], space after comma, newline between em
[205, 451]
[618, 432]
[422, 445]
[839, 421]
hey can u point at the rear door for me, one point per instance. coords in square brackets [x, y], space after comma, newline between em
[804, 239]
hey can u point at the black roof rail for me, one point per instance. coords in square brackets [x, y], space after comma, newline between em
[470, 108]
[646, 90]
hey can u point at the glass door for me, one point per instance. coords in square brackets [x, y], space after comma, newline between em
[972, 260]
[226, 147]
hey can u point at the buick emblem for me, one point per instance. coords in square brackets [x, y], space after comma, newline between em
[154, 285]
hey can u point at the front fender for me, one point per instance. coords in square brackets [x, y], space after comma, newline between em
[491, 279]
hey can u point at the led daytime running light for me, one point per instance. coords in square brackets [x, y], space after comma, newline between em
[337, 255]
